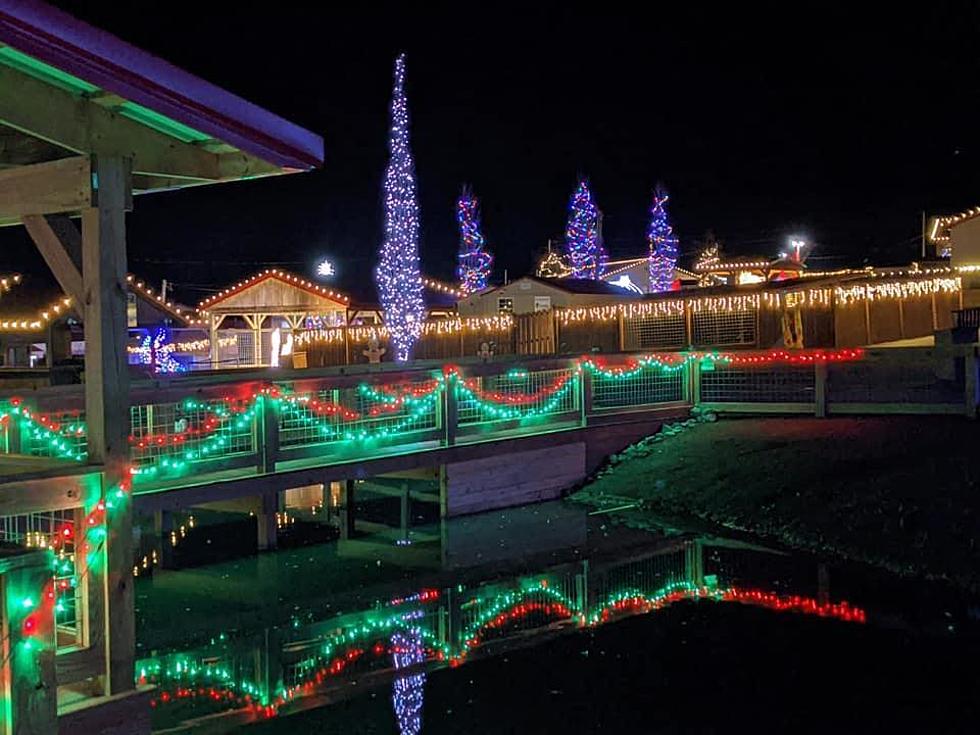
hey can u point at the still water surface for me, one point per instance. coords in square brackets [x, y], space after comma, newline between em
[546, 619]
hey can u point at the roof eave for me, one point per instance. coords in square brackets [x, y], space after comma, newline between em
[100, 58]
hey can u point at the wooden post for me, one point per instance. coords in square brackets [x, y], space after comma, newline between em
[450, 413]
[694, 366]
[621, 324]
[585, 397]
[266, 436]
[107, 399]
[694, 563]
[820, 389]
[346, 514]
[443, 499]
[268, 529]
[213, 340]
[867, 321]
[28, 690]
[406, 510]
[970, 383]
[163, 526]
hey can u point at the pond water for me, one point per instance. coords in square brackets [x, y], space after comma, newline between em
[549, 619]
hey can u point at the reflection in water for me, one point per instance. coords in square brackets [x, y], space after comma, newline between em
[479, 612]
[407, 692]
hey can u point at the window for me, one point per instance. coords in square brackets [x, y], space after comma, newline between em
[542, 303]
[505, 306]
[131, 314]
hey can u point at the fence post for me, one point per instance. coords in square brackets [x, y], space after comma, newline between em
[694, 381]
[27, 672]
[820, 389]
[970, 382]
[15, 436]
[585, 396]
[267, 436]
[450, 411]
[582, 590]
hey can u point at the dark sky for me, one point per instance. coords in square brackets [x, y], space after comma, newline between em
[838, 124]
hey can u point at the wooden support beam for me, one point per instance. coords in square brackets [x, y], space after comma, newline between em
[346, 514]
[82, 126]
[29, 701]
[46, 188]
[57, 247]
[107, 402]
[268, 530]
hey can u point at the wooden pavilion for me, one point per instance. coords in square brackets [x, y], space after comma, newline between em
[86, 122]
[269, 302]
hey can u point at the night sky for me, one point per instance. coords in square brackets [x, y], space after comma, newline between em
[761, 123]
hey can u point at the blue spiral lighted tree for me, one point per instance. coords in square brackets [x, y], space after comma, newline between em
[663, 244]
[474, 261]
[586, 255]
[397, 275]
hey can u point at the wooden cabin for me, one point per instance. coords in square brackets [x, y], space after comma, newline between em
[531, 294]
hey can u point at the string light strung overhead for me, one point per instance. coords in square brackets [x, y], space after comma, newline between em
[583, 239]
[474, 261]
[397, 275]
[663, 244]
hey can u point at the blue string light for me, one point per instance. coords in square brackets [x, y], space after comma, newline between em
[474, 261]
[397, 276]
[408, 690]
[663, 244]
[586, 255]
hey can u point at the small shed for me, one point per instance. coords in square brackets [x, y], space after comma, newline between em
[530, 294]
[264, 310]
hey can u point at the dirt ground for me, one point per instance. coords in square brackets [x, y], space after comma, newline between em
[898, 492]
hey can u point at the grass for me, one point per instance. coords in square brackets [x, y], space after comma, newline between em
[898, 492]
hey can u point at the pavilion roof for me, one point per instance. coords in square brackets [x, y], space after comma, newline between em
[69, 89]
[282, 278]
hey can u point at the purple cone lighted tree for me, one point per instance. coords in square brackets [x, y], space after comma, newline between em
[397, 275]
[663, 244]
[586, 255]
[474, 261]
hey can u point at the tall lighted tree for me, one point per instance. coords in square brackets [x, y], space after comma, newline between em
[583, 241]
[474, 260]
[397, 275]
[663, 244]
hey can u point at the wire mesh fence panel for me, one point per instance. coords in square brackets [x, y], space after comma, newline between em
[754, 569]
[724, 328]
[647, 332]
[53, 530]
[306, 656]
[785, 384]
[59, 435]
[515, 395]
[499, 607]
[648, 388]
[908, 380]
[366, 412]
[190, 431]
[645, 576]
